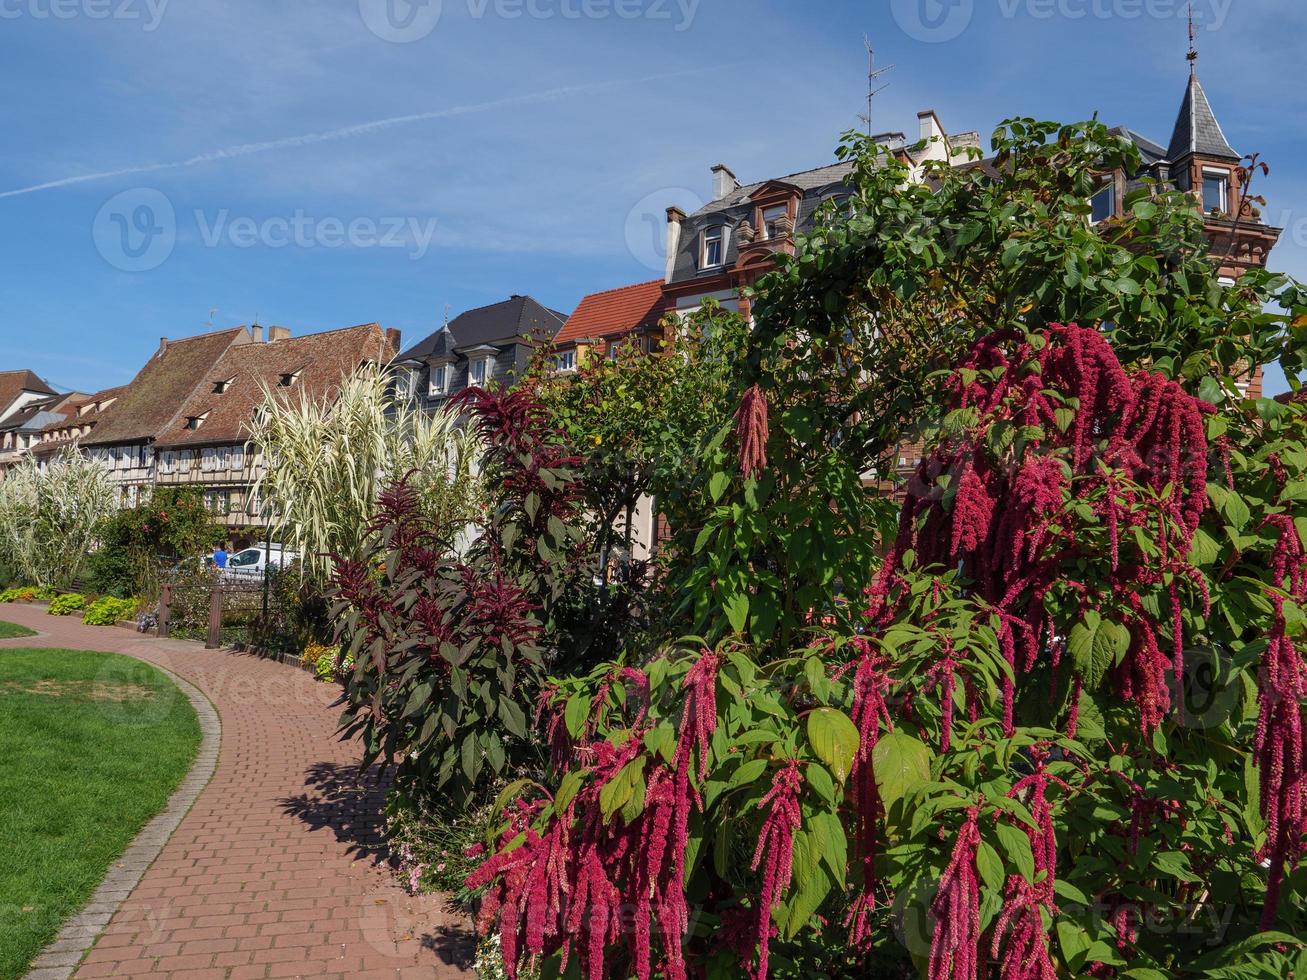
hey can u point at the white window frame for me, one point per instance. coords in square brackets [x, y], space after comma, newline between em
[565, 362]
[435, 390]
[715, 234]
[780, 211]
[1109, 189]
[1212, 173]
[482, 363]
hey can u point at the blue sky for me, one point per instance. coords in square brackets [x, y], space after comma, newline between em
[321, 163]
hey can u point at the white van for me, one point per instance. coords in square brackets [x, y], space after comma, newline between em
[251, 563]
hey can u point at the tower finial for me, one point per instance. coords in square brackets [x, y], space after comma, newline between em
[1192, 56]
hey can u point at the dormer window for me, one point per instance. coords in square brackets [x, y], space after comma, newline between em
[195, 421]
[1216, 191]
[771, 219]
[289, 378]
[221, 387]
[566, 361]
[436, 383]
[713, 250]
[477, 372]
[1103, 204]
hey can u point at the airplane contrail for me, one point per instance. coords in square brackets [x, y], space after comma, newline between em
[358, 129]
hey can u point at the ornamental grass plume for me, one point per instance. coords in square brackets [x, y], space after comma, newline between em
[751, 430]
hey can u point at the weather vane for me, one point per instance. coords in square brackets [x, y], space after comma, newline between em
[1192, 56]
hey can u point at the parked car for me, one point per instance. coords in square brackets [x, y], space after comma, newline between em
[251, 564]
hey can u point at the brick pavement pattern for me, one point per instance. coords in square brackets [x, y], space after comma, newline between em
[278, 870]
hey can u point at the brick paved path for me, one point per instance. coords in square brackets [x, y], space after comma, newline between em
[277, 870]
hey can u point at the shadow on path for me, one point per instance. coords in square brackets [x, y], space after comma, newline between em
[348, 802]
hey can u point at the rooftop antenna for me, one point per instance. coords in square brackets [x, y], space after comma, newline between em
[873, 73]
[1192, 56]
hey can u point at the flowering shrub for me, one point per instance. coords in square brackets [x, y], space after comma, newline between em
[1048, 722]
[109, 611]
[67, 604]
[20, 594]
[1001, 749]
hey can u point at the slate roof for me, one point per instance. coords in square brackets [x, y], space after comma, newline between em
[14, 383]
[817, 186]
[324, 360]
[616, 311]
[499, 323]
[819, 178]
[1196, 129]
[153, 399]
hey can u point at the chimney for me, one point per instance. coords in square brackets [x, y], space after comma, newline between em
[392, 338]
[256, 334]
[674, 218]
[930, 125]
[278, 333]
[723, 181]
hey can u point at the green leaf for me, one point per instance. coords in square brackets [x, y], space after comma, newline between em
[820, 780]
[1095, 645]
[1017, 847]
[901, 763]
[717, 485]
[568, 787]
[834, 739]
[618, 791]
[577, 713]
[736, 605]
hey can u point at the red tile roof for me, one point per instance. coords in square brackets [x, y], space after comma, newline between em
[322, 360]
[616, 312]
[14, 383]
[151, 402]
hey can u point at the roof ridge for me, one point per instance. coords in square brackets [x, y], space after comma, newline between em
[615, 289]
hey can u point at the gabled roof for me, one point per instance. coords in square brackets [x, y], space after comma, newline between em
[804, 180]
[616, 311]
[155, 396]
[14, 383]
[499, 323]
[1196, 129]
[324, 360]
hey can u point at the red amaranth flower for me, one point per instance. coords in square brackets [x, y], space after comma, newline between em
[956, 909]
[775, 851]
[751, 431]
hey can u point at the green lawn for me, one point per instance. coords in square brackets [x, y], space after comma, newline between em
[93, 745]
[10, 630]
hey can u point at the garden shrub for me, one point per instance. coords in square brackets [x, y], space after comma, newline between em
[19, 594]
[172, 525]
[450, 649]
[109, 611]
[67, 604]
[1051, 725]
